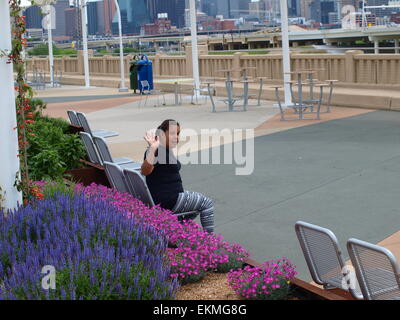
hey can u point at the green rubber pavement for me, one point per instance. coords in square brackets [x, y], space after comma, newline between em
[341, 174]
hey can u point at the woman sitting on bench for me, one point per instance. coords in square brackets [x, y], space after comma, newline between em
[161, 168]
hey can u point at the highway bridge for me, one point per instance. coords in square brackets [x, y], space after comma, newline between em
[266, 38]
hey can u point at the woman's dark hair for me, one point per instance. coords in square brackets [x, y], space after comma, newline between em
[164, 126]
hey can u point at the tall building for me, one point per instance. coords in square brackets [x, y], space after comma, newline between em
[257, 10]
[60, 6]
[109, 13]
[228, 8]
[33, 17]
[273, 9]
[305, 9]
[100, 18]
[210, 7]
[320, 10]
[73, 22]
[92, 18]
[380, 12]
[243, 7]
[134, 14]
[151, 8]
[175, 9]
[294, 8]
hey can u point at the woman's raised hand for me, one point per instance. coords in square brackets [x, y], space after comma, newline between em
[152, 140]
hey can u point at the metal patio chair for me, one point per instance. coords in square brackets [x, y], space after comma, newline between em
[73, 118]
[137, 184]
[99, 133]
[105, 155]
[146, 86]
[57, 78]
[376, 269]
[324, 257]
[116, 177]
[90, 148]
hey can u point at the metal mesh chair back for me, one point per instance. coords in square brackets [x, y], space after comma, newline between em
[84, 123]
[102, 147]
[321, 251]
[138, 185]
[90, 148]
[116, 176]
[377, 270]
[73, 118]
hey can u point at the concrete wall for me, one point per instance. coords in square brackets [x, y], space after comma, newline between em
[352, 67]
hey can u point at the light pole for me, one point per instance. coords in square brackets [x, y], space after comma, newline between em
[47, 9]
[8, 136]
[285, 51]
[195, 52]
[83, 7]
[122, 87]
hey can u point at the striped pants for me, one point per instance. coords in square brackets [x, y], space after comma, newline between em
[195, 201]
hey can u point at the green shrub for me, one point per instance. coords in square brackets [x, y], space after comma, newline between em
[37, 106]
[42, 49]
[51, 151]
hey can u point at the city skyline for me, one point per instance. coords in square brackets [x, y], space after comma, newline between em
[142, 16]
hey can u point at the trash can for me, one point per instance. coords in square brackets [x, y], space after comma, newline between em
[133, 74]
[145, 71]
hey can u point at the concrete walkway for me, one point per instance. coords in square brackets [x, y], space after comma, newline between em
[385, 97]
[341, 174]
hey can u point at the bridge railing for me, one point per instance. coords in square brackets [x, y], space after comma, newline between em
[377, 69]
[351, 67]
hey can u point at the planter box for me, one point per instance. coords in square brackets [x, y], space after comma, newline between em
[74, 129]
[91, 173]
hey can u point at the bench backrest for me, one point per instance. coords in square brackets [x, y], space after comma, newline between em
[90, 147]
[104, 152]
[73, 118]
[116, 176]
[137, 184]
[84, 123]
[324, 257]
[377, 270]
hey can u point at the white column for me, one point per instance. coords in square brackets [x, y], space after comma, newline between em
[48, 10]
[376, 46]
[85, 46]
[195, 52]
[396, 44]
[9, 162]
[122, 87]
[285, 51]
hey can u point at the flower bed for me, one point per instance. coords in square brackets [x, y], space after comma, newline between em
[190, 254]
[97, 252]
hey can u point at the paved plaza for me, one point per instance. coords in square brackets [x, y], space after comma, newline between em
[340, 172]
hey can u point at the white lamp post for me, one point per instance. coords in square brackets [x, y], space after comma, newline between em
[46, 8]
[195, 53]
[285, 51]
[122, 87]
[9, 162]
[83, 7]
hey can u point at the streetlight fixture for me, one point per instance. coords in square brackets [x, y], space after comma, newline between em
[195, 52]
[46, 9]
[122, 87]
[285, 51]
[83, 7]
[9, 138]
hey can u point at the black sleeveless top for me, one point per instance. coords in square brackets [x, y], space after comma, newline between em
[165, 182]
